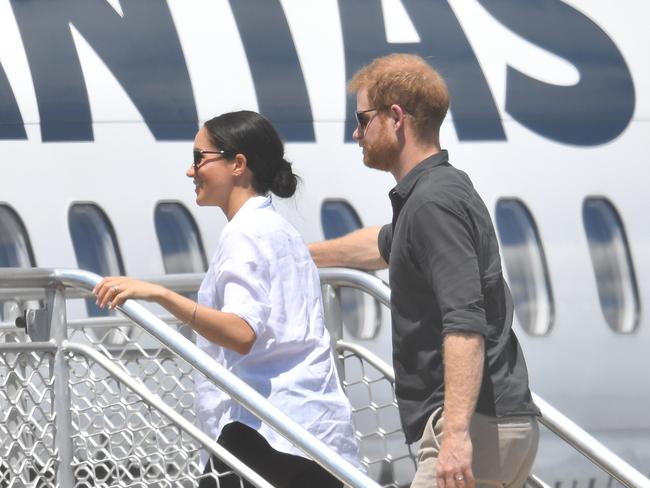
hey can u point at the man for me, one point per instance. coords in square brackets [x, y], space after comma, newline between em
[461, 379]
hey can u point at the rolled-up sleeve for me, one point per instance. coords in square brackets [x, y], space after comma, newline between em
[384, 241]
[442, 241]
[243, 282]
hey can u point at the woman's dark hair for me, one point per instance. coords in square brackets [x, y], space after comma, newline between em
[248, 133]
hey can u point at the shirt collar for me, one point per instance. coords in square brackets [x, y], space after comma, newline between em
[253, 203]
[406, 184]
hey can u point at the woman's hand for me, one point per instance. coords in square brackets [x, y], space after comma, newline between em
[226, 329]
[115, 290]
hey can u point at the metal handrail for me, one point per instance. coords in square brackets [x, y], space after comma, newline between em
[588, 446]
[555, 421]
[201, 361]
[359, 280]
[180, 283]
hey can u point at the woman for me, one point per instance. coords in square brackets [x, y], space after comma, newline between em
[259, 310]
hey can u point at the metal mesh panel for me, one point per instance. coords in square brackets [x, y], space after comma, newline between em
[27, 448]
[145, 358]
[120, 441]
[383, 448]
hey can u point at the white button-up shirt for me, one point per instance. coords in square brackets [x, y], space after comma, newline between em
[263, 272]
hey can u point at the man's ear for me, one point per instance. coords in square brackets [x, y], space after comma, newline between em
[397, 114]
[241, 163]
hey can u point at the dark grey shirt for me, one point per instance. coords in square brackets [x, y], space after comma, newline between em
[445, 276]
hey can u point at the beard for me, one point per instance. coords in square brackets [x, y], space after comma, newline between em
[384, 152]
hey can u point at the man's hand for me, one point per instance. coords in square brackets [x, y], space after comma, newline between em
[454, 465]
[463, 356]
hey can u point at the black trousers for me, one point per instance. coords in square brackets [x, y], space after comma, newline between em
[278, 468]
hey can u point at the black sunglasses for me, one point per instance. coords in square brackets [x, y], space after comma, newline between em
[363, 119]
[198, 156]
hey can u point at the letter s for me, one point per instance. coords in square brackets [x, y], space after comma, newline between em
[596, 109]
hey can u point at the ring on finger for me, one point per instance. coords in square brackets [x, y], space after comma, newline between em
[116, 289]
[459, 477]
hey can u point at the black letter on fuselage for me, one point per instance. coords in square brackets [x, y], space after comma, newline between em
[273, 60]
[142, 50]
[11, 123]
[593, 111]
[443, 43]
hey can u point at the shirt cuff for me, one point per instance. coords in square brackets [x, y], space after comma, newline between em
[472, 322]
[384, 241]
[251, 315]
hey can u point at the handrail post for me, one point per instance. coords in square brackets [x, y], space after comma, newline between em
[14, 420]
[333, 321]
[55, 299]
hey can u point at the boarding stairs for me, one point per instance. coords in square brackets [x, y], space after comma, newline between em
[108, 401]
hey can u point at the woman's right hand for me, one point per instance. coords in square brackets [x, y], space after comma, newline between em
[113, 291]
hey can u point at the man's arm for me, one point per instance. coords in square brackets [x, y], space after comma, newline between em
[463, 357]
[358, 249]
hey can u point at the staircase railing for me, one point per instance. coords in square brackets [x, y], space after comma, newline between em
[54, 281]
[48, 285]
[551, 418]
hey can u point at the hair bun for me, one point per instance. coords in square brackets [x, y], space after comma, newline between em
[285, 181]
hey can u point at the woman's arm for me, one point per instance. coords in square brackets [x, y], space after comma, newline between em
[226, 329]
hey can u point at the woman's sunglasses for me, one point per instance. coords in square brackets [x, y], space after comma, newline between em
[198, 156]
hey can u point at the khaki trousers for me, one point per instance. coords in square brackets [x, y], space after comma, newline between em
[504, 450]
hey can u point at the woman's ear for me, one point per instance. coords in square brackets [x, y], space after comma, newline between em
[240, 164]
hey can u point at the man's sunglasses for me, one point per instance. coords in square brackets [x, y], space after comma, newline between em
[198, 156]
[363, 117]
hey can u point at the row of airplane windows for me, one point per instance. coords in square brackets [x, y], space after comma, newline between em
[96, 249]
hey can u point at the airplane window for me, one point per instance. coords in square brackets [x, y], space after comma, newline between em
[95, 245]
[360, 312]
[610, 256]
[179, 239]
[15, 248]
[526, 266]
[338, 218]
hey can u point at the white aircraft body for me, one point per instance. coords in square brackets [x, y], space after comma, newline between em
[550, 114]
